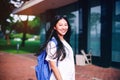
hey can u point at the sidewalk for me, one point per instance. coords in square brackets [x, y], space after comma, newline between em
[92, 72]
[21, 67]
[16, 67]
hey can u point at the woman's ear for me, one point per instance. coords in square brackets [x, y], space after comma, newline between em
[54, 28]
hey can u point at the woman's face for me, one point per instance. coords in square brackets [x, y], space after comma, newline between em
[61, 27]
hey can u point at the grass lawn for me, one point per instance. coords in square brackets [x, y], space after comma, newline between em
[30, 46]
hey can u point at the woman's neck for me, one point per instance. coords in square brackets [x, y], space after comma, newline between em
[61, 37]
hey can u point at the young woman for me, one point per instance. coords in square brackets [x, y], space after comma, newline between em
[60, 56]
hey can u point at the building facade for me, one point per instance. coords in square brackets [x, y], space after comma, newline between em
[95, 26]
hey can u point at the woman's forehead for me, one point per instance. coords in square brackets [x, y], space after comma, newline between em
[62, 21]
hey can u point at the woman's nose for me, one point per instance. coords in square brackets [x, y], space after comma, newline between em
[64, 27]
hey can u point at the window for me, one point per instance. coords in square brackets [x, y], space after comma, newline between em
[116, 34]
[73, 18]
[94, 31]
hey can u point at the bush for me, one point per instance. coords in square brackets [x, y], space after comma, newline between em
[20, 35]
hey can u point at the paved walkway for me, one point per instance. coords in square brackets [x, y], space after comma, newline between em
[21, 67]
[16, 67]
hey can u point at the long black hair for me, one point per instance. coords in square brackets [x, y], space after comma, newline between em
[60, 53]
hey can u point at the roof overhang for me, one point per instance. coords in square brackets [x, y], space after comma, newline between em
[35, 7]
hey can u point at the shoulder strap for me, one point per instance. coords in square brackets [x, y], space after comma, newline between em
[54, 40]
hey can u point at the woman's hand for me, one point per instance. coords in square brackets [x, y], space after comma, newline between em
[55, 70]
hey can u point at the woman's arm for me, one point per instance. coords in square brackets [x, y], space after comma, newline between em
[55, 70]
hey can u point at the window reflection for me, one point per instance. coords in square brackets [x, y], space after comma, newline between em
[116, 34]
[73, 18]
[94, 30]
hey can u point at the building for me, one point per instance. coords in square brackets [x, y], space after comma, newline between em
[95, 26]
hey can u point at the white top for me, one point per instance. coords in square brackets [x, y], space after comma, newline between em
[66, 66]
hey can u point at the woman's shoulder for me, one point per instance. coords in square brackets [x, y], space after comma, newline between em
[52, 42]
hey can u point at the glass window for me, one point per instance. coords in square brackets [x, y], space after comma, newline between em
[73, 18]
[116, 34]
[42, 34]
[94, 31]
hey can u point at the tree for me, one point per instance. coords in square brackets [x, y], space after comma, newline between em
[6, 8]
[95, 19]
[27, 24]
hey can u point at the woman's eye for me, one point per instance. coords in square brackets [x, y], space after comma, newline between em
[65, 25]
[60, 24]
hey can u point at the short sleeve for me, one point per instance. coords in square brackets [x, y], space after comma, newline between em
[51, 50]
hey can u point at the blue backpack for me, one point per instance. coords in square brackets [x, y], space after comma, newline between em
[42, 69]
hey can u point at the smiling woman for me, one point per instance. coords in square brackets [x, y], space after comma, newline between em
[60, 55]
[61, 27]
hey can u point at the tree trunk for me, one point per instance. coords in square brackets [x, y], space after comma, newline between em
[24, 33]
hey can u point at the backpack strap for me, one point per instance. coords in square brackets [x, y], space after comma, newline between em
[54, 40]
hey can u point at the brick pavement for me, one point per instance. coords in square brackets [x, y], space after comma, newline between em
[21, 67]
[16, 67]
[92, 72]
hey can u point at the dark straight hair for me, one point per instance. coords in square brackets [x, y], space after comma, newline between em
[52, 33]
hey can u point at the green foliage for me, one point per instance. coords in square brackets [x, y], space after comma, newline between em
[34, 23]
[30, 47]
[12, 35]
[94, 18]
[20, 35]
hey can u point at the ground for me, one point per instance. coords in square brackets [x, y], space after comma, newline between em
[21, 67]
